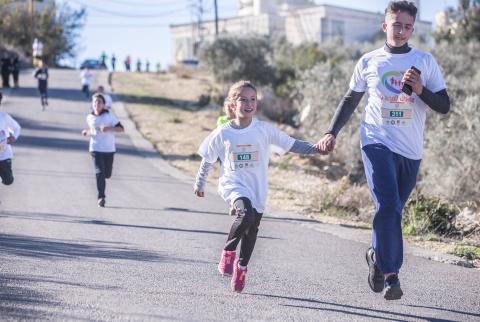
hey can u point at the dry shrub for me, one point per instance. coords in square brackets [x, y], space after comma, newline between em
[321, 90]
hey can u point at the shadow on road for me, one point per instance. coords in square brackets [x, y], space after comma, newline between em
[53, 93]
[368, 312]
[16, 299]
[37, 247]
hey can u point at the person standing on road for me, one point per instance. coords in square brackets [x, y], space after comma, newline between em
[391, 134]
[9, 132]
[128, 63]
[6, 69]
[113, 61]
[243, 146]
[15, 70]
[101, 128]
[41, 74]
[139, 65]
[86, 77]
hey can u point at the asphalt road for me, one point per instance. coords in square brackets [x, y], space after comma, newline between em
[152, 253]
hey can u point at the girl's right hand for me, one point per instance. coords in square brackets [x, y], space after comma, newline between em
[200, 194]
[85, 132]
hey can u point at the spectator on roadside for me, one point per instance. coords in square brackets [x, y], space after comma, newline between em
[15, 70]
[401, 83]
[139, 65]
[158, 67]
[6, 69]
[113, 62]
[103, 60]
[9, 132]
[41, 74]
[86, 78]
[128, 63]
[147, 66]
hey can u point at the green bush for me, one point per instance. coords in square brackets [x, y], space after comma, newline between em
[468, 252]
[234, 58]
[423, 215]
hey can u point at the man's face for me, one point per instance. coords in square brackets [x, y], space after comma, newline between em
[398, 27]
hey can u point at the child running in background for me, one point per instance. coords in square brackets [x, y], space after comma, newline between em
[41, 74]
[9, 132]
[229, 115]
[86, 78]
[101, 128]
[243, 148]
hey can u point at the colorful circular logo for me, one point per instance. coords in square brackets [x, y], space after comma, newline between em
[393, 81]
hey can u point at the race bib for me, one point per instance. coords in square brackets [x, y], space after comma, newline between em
[397, 117]
[244, 156]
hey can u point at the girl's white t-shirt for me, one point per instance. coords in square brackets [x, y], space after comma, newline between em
[393, 118]
[244, 154]
[8, 126]
[101, 141]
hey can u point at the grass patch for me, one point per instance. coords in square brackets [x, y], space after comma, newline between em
[423, 215]
[467, 252]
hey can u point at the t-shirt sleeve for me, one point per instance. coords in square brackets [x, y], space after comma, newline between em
[435, 81]
[279, 139]
[114, 120]
[209, 148]
[357, 82]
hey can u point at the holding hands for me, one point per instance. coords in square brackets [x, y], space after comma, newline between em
[326, 144]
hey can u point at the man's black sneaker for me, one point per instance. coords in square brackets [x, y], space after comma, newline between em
[101, 202]
[392, 290]
[376, 279]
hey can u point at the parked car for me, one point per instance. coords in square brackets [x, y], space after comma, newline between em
[92, 64]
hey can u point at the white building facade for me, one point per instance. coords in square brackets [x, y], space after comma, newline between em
[297, 20]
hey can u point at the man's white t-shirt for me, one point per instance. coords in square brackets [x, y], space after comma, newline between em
[101, 141]
[8, 126]
[393, 118]
[244, 154]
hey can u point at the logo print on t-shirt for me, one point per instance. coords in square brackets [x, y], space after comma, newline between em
[393, 81]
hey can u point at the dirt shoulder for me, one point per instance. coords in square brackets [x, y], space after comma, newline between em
[165, 110]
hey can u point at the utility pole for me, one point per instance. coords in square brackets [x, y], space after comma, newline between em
[216, 17]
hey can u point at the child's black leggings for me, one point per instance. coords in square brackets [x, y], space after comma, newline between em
[244, 228]
[6, 171]
[103, 162]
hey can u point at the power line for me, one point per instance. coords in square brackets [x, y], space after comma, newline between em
[129, 15]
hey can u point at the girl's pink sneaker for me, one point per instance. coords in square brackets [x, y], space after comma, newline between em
[225, 266]
[238, 278]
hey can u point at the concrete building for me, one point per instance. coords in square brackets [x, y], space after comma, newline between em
[298, 20]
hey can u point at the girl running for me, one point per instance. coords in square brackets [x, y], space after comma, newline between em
[41, 74]
[101, 128]
[243, 148]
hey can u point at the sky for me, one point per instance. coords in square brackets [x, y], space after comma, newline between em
[140, 28]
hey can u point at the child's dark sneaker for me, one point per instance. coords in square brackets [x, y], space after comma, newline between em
[101, 202]
[376, 279]
[225, 266]
[238, 278]
[392, 290]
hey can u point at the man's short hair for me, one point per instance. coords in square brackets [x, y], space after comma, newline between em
[402, 6]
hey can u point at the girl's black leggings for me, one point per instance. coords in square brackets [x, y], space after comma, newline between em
[245, 229]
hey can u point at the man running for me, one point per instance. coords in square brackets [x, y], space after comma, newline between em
[400, 83]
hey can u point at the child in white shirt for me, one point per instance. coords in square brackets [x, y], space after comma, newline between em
[9, 132]
[101, 128]
[243, 146]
